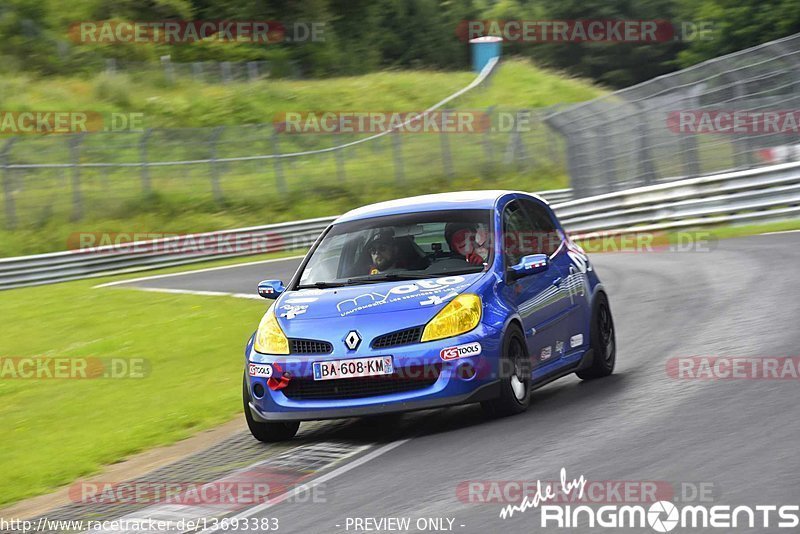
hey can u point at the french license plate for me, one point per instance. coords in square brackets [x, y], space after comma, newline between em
[353, 368]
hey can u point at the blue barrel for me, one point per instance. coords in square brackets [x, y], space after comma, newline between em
[484, 49]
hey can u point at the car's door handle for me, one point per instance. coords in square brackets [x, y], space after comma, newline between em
[557, 281]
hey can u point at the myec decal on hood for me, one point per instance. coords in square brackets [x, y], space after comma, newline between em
[420, 289]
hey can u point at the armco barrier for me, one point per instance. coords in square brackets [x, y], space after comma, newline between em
[759, 195]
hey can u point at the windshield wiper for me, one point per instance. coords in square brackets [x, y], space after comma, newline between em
[391, 277]
[321, 285]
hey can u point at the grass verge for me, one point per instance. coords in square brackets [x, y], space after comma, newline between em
[56, 430]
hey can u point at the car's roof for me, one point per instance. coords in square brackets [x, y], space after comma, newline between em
[440, 201]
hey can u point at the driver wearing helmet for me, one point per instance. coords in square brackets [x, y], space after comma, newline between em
[384, 252]
[468, 240]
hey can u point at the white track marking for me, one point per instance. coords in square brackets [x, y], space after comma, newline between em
[184, 273]
[781, 232]
[195, 292]
[319, 480]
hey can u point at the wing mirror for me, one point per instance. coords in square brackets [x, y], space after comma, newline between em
[528, 265]
[270, 289]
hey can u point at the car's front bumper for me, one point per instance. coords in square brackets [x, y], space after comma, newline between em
[485, 392]
[449, 388]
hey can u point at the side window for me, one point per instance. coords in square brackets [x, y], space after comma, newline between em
[543, 237]
[515, 225]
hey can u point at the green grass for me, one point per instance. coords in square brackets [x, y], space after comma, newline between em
[113, 199]
[59, 429]
[191, 104]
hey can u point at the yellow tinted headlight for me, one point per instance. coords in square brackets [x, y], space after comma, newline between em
[461, 315]
[269, 337]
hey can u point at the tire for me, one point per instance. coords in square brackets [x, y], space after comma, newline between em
[603, 341]
[515, 377]
[266, 432]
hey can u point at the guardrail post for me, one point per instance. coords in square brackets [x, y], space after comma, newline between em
[280, 181]
[8, 193]
[75, 157]
[399, 174]
[216, 190]
[447, 159]
[143, 160]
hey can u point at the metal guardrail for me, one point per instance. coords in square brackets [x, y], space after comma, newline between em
[129, 257]
[759, 195]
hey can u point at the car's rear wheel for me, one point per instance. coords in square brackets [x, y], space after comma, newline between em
[515, 377]
[603, 341]
[266, 432]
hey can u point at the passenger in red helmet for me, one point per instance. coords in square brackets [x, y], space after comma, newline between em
[469, 241]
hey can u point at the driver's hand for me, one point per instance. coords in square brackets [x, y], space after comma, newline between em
[474, 259]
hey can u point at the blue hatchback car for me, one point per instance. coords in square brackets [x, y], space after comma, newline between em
[426, 302]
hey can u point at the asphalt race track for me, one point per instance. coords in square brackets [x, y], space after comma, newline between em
[739, 437]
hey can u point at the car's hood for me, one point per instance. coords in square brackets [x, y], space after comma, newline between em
[370, 299]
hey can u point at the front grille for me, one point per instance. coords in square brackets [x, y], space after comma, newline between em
[403, 380]
[309, 346]
[395, 339]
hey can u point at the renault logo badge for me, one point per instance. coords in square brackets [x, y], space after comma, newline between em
[352, 340]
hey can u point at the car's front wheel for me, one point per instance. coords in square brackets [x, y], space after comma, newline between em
[603, 341]
[515, 377]
[266, 432]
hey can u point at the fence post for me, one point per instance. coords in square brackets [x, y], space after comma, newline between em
[169, 72]
[225, 71]
[399, 174]
[691, 162]
[340, 171]
[280, 181]
[197, 71]
[11, 213]
[488, 149]
[742, 144]
[215, 187]
[143, 160]
[75, 157]
[447, 159]
[644, 156]
[252, 70]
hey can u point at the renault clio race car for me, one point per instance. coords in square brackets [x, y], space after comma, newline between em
[427, 302]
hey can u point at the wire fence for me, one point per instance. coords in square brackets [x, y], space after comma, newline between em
[207, 71]
[666, 129]
[70, 177]
[734, 112]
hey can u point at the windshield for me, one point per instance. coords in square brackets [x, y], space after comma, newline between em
[401, 247]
